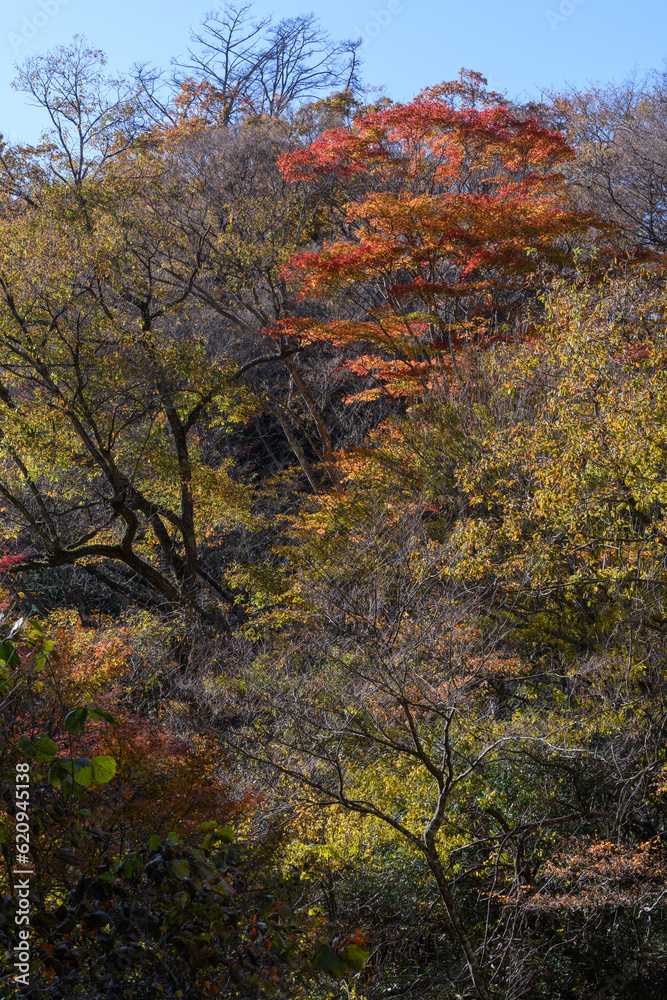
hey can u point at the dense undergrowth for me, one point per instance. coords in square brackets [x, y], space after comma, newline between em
[332, 488]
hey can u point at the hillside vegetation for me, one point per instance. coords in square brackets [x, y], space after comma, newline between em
[333, 524]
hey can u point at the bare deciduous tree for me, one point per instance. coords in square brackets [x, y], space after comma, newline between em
[265, 67]
[620, 133]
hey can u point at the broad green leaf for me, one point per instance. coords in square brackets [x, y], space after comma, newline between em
[43, 749]
[355, 956]
[74, 720]
[82, 771]
[205, 870]
[100, 713]
[180, 868]
[69, 788]
[131, 866]
[223, 888]
[58, 773]
[104, 769]
[329, 961]
[8, 654]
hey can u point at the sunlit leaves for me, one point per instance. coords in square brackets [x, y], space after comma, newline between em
[456, 209]
[42, 749]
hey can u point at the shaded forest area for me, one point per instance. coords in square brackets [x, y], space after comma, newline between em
[333, 492]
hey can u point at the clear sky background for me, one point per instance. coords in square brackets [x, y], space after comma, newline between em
[522, 46]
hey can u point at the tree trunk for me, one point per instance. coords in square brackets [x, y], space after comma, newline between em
[295, 446]
[469, 949]
[318, 417]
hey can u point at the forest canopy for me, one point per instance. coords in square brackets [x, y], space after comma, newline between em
[333, 538]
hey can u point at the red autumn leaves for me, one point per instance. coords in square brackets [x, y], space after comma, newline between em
[447, 215]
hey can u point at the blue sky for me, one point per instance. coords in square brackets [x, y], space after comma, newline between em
[520, 45]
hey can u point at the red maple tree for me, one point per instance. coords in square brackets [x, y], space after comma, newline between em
[454, 210]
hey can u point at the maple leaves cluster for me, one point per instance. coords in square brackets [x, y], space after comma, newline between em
[461, 212]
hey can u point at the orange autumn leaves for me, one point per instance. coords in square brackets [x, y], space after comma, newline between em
[447, 215]
[163, 781]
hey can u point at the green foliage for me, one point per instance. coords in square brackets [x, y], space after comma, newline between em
[169, 916]
[390, 720]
